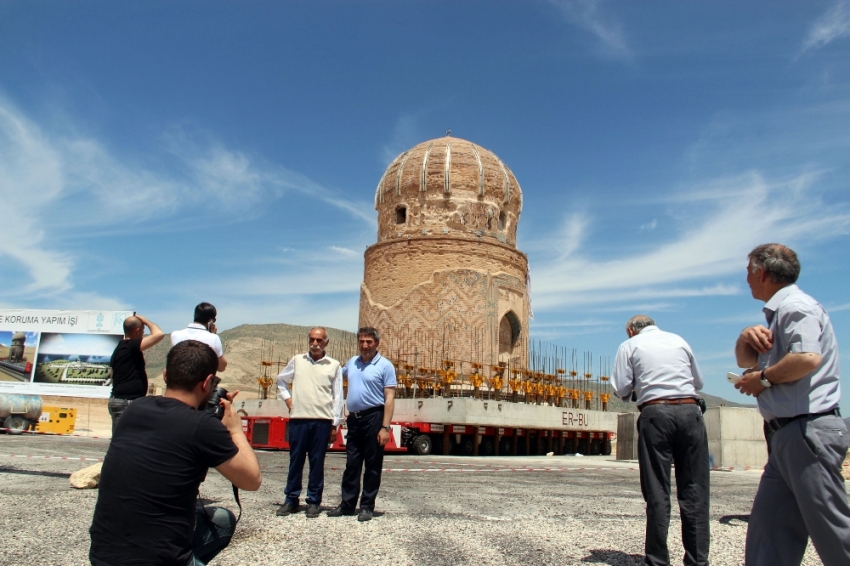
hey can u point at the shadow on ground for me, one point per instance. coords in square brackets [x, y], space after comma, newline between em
[5, 470]
[733, 519]
[612, 557]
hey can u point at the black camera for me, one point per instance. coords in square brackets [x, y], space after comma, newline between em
[213, 406]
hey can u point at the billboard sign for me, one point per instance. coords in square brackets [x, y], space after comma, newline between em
[46, 352]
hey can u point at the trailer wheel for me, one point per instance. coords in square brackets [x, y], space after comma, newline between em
[422, 445]
[606, 447]
[486, 447]
[505, 446]
[466, 445]
[16, 424]
[582, 446]
[596, 447]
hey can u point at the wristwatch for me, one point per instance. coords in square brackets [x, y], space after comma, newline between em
[764, 382]
[386, 428]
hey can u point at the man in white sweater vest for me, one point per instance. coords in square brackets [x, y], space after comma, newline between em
[311, 387]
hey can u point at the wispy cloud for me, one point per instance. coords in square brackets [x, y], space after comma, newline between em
[712, 243]
[345, 251]
[588, 15]
[649, 226]
[406, 134]
[832, 25]
[52, 182]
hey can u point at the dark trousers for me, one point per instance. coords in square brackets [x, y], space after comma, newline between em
[674, 433]
[214, 528]
[307, 438]
[362, 448]
[116, 406]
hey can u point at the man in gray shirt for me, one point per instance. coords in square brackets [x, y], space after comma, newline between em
[660, 369]
[794, 373]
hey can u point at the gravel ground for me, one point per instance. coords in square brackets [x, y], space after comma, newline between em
[478, 511]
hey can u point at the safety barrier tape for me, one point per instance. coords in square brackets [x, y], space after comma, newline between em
[39, 457]
[478, 469]
[15, 431]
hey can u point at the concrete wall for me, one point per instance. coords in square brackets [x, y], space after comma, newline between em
[735, 437]
[469, 411]
[627, 436]
[501, 413]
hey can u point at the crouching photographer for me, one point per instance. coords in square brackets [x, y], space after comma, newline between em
[160, 452]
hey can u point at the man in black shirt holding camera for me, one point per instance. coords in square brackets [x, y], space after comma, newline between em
[161, 451]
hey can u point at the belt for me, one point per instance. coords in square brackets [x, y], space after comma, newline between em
[776, 424]
[675, 401]
[364, 412]
[124, 398]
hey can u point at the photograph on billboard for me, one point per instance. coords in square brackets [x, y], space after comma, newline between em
[66, 353]
[74, 359]
[17, 355]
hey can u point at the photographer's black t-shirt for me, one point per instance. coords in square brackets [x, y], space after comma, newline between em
[159, 455]
[129, 379]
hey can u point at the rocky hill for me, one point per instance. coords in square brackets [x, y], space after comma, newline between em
[246, 345]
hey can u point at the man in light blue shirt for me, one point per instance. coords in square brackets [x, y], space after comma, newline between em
[659, 367]
[793, 370]
[371, 402]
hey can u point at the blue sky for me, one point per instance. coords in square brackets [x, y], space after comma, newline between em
[156, 154]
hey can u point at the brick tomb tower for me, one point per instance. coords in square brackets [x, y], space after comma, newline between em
[445, 280]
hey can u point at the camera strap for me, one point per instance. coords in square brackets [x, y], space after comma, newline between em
[239, 503]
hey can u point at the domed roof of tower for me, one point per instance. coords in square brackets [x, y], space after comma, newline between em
[448, 187]
[448, 165]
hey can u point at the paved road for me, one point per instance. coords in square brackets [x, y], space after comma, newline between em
[431, 511]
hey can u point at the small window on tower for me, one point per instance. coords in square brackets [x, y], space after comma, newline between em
[502, 221]
[401, 215]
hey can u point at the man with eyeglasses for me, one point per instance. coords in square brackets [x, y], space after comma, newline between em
[311, 387]
[203, 329]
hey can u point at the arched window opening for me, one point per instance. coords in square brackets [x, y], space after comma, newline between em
[401, 215]
[502, 220]
[509, 333]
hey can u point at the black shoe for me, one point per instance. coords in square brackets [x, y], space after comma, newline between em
[365, 515]
[339, 512]
[287, 509]
[312, 510]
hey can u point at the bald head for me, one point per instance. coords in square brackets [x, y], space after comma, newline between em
[132, 327]
[638, 323]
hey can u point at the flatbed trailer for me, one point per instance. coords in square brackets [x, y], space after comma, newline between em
[459, 425]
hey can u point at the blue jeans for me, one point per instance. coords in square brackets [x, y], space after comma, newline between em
[214, 528]
[307, 438]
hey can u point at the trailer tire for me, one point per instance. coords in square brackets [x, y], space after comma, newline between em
[596, 447]
[16, 424]
[505, 445]
[606, 447]
[422, 445]
[581, 447]
[467, 445]
[486, 447]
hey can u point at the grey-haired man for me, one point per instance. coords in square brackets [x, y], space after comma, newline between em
[796, 382]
